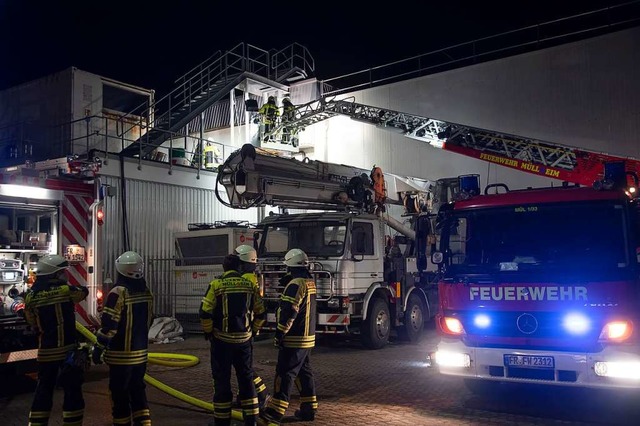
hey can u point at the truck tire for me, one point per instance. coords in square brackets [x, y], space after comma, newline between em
[377, 327]
[413, 319]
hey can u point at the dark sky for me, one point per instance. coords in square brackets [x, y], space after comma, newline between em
[150, 44]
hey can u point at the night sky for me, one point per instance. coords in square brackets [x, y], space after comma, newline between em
[150, 44]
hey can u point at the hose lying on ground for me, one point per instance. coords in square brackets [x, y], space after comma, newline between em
[168, 360]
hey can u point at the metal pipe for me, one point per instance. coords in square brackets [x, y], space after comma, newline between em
[397, 225]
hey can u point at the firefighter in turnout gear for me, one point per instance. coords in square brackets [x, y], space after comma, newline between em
[269, 113]
[295, 336]
[226, 316]
[248, 262]
[289, 136]
[123, 341]
[49, 309]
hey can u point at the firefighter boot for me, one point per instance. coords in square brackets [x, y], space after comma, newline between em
[305, 415]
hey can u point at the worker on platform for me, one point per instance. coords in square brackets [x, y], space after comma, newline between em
[269, 113]
[122, 341]
[289, 135]
[295, 337]
[49, 309]
[248, 262]
[230, 313]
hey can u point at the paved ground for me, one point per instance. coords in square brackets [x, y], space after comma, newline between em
[356, 386]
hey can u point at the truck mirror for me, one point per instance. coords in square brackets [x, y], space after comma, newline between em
[437, 257]
[256, 240]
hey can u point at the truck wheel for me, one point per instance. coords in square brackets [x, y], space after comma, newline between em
[377, 327]
[413, 319]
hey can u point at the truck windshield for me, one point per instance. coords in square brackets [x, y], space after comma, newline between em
[581, 237]
[318, 239]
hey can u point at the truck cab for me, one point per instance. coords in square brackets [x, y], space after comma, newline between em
[541, 286]
[364, 280]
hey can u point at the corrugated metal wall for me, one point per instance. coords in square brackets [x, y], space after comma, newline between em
[155, 212]
[583, 94]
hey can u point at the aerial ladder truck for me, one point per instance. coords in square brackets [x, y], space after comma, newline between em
[371, 269]
[537, 285]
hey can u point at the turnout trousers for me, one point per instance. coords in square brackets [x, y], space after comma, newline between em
[225, 355]
[73, 404]
[128, 396]
[293, 367]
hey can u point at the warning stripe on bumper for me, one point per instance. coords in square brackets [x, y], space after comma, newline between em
[334, 319]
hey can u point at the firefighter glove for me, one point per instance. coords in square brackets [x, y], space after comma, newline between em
[97, 355]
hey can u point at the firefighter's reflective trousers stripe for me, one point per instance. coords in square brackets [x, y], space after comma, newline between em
[128, 395]
[224, 355]
[261, 388]
[73, 404]
[293, 367]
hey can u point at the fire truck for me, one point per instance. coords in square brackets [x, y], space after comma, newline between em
[541, 285]
[48, 207]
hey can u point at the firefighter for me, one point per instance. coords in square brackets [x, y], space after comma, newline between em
[288, 115]
[248, 262]
[49, 309]
[123, 341]
[269, 113]
[295, 336]
[225, 315]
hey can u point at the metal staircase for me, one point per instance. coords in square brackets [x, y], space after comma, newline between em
[208, 83]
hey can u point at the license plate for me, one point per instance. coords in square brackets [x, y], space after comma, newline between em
[529, 361]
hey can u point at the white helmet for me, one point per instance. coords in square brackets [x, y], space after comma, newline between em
[296, 258]
[130, 264]
[246, 253]
[50, 264]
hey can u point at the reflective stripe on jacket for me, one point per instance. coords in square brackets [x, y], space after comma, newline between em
[296, 314]
[126, 318]
[228, 306]
[49, 308]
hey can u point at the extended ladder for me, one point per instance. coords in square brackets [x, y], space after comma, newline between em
[526, 154]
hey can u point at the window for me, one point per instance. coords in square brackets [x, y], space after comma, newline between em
[362, 234]
[203, 250]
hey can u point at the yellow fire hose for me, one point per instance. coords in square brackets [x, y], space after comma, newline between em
[168, 360]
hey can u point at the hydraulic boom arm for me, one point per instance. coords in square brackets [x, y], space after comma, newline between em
[252, 177]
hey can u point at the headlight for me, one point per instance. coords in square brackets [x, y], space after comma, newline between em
[453, 359]
[622, 370]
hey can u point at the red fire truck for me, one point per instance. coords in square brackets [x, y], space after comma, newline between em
[49, 207]
[541, 285]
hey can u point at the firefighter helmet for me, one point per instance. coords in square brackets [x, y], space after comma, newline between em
[296, 258]
[271, 99]
[50, 264]
[130, 264]
[246, 253]
[286, 101]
